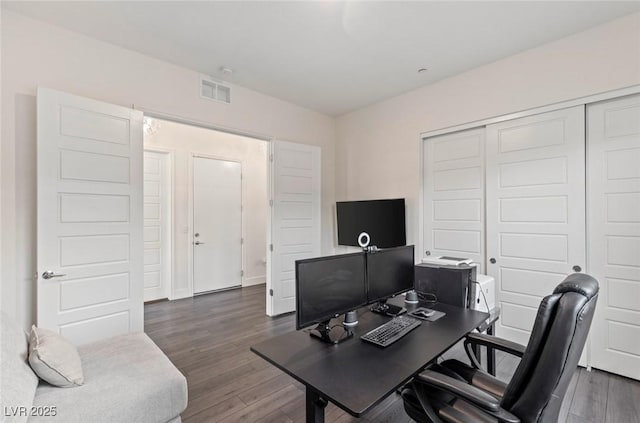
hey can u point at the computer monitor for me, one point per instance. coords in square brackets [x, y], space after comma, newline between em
[389, 272]
[327, 287]
[382, 220]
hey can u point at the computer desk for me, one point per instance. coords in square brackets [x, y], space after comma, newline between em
[356, 375]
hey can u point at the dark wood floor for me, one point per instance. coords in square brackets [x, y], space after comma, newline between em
[208, 339]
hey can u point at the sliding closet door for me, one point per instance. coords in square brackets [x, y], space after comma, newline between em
[454, 196]
[535, 211]
[614, 233]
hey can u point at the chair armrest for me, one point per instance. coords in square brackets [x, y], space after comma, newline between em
[460, 389]
[494, 342]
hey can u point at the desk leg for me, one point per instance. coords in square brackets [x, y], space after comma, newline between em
[315, 406]
[491, 355]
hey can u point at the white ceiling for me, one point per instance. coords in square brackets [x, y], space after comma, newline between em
[330, 56]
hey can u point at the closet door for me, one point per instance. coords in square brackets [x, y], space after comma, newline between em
[614, 233]
[453, 209]
[535, 211]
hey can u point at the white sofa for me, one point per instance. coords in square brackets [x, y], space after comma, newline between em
[127, 379]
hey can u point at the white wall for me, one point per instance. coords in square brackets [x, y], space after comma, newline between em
[185, 140]
[1, 173]
[378, 147]
[35, 53]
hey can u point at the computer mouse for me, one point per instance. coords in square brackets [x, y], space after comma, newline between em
[424, 313]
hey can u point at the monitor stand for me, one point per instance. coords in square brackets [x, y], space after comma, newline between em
[324, 333]
[350, 319]
[381, 307]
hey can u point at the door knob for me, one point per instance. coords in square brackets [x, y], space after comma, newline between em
[198, 243]
[492, 260]
[51, 274]
[577, 268]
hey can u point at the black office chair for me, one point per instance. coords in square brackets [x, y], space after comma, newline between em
[455, 392]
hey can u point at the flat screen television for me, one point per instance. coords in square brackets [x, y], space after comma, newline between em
[383, 220]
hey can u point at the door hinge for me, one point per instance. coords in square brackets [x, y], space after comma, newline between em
[270, 247]
[242, 273]
[271, 292]
[270, 203]
[270, 157]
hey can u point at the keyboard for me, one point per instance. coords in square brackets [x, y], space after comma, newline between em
[388, 333]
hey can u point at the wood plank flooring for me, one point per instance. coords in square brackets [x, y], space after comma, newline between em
[208, 339]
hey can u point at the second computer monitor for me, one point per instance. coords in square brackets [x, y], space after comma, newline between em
[389, 272]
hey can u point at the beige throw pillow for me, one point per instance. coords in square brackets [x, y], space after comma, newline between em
[54, 359]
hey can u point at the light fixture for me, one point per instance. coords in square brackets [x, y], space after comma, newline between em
[150, 126]
[227, 72]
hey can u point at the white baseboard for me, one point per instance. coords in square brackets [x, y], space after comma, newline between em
[181, 293]
[254, 280]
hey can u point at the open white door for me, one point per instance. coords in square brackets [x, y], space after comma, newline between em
[90, 243]
[295, 219]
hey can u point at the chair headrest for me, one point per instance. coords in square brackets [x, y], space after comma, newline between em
[580, 283]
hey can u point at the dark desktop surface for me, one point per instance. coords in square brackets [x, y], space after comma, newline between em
[356, 375]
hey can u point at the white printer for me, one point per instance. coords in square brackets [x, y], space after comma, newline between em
[483, 293]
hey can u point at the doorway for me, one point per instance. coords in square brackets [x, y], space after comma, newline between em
[280, 218]
[106, 216]
[201, 157]
[217, 224]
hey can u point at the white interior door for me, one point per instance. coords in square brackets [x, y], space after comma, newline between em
[295, 219]
[535, 211]
[217, 224]
[614, 232]
[157, 225]
[89, 164]
[454, 196]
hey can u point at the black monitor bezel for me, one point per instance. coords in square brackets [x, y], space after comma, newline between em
[402, 240]
[381, 251]
[333, 315]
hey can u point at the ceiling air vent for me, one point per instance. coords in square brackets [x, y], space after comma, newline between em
[214, 90]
